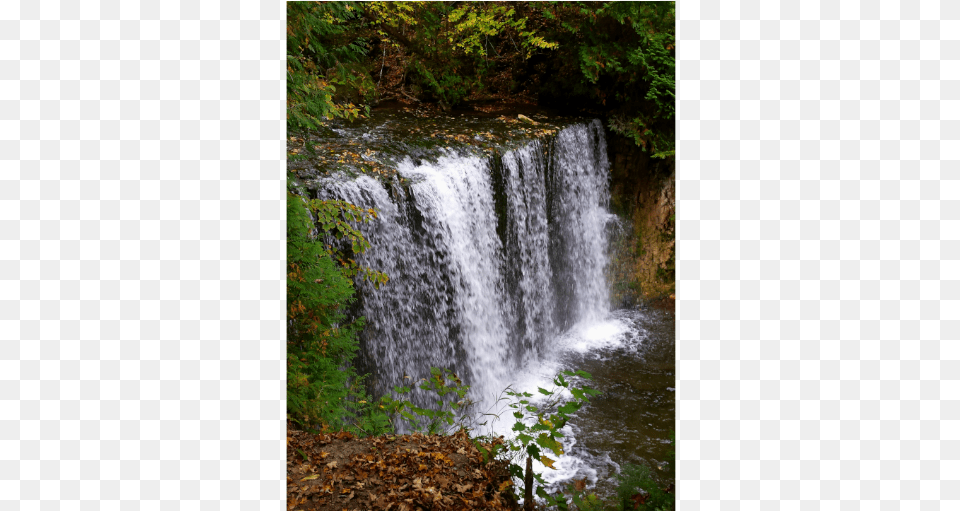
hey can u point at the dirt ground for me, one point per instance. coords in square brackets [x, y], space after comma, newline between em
[338, 471]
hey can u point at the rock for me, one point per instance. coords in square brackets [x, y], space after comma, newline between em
[524, 118]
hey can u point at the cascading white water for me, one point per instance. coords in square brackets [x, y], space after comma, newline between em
[489, 259]
[581, 216]
[526, 248]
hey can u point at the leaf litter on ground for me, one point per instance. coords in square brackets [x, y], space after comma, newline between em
[402, 473]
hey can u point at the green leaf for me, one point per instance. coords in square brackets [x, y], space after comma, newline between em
[547, 442]
[533, 450]
[304, 455]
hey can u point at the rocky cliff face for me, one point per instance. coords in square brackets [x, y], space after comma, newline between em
[643, 194]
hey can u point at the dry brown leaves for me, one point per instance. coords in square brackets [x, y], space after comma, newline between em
[332, 155]
[338, 471]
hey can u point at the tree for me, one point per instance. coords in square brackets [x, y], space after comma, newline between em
[625, 56]
[615, 58]
[449, 50]
[324, 52]
[323, 388]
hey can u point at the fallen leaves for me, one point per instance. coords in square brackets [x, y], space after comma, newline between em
[639, 499]
[393, 473]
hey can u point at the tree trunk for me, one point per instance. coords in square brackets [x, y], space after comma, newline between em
[528, 486]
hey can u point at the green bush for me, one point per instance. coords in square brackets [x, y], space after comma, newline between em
[323, 388]
[324, 68]
[637, 490]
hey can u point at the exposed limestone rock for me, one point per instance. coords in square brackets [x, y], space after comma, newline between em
[643, 191]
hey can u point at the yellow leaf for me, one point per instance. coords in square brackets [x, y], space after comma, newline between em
[548, 442]
[309, 477]
[547, 462]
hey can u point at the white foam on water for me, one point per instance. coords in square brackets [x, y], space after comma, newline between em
[588, 338]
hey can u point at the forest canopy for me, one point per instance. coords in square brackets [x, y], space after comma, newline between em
[612, 59]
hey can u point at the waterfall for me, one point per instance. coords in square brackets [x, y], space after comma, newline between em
[489, 258]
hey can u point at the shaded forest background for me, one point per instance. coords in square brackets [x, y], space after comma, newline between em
[615, 60]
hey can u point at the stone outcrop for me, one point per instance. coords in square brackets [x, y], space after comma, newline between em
[643, 194]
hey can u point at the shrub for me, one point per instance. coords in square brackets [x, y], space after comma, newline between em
[323, 388]
[637, 490]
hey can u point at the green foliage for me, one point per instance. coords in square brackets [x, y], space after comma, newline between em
[452, 49]
[617, 57]
[324, 55]
[535, 440]
[584, 501]
[441, 382]
[637, 490]
[474, 23]
[323, 388]
[341, 239]
[625, 55]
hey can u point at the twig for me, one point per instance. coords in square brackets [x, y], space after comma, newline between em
[381, 66]
[407, 95]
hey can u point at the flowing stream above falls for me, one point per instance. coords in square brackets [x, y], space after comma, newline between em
[496, 262]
